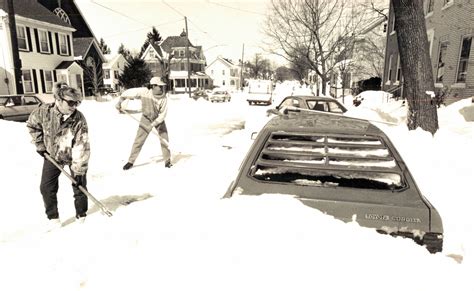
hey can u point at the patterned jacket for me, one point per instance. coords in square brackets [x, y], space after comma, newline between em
[66, 141]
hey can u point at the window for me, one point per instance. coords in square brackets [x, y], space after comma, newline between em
[442, 57]
[152, 54]
[27, 79]
[429, 6]
[327, 160]
[21, 36]
[464, 59]
[223, 72]
[63, 44]
[181, 53]
[43, 41]
[390, 68]
[180, 83]
[223, 82]
[48, 81]
[106, 74]
[116, 74]
[399, 70]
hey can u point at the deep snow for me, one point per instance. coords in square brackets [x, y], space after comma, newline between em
[172, 231]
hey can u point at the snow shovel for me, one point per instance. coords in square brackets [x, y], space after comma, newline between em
[142, 126]
[83, 190]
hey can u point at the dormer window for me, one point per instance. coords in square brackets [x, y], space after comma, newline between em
[61, 14]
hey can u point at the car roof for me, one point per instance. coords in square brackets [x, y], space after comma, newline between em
[311, 97]
[315, 121]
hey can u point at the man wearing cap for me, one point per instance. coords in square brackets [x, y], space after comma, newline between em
[60, 130]
[154, 108]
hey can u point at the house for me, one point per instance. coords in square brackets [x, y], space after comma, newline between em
[45, 50]
[113, 67]
[155, 58]
[86, 48]
[450, 30]
[224, 73]
[178, 77]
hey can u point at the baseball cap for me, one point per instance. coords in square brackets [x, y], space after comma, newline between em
[157, 81]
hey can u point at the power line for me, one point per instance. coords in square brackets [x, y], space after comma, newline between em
[234, 8]
[120, 13]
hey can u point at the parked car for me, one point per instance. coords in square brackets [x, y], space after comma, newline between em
[18, 107]
[200, 94]
[309, 102]
[219, 96]
[343, 166]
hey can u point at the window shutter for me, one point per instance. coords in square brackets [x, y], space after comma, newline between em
[37, 40]
[28, 36]
[50, 39]
[57, 43]
[55, 77]
[35, 81]
[69, 45]
[43, 85]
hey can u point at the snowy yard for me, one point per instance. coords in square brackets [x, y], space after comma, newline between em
[172, 231]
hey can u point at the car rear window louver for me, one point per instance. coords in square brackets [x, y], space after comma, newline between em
[328, 160]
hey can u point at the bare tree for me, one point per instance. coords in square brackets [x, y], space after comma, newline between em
[259, 67]
[93, 73]
[320, 31]
[416, 64]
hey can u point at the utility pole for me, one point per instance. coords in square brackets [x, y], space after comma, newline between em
[14, 46]
[187, 57]
[242, 69]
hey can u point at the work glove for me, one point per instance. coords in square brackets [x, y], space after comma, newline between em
[42, 152]
[80, 180]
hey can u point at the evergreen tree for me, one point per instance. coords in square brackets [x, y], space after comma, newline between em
[135, 74]
[125, 52]
[104, 47]
[152, 36]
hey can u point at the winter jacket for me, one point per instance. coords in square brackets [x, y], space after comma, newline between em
[67, 141]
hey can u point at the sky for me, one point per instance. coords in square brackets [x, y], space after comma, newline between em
[221, 27]
[171, 229]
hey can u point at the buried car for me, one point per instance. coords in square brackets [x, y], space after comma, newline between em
[345, 167]
[17, 107]
[313, 103]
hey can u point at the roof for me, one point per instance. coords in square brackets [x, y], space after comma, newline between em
[65, 65]
[33, 10]
[82, 46]
[111, 60]
[175, 41]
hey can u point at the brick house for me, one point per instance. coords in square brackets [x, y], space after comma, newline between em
[224, 73]
[450, 30]
[45, 50]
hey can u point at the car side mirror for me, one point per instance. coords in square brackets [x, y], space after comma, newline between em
[272, 111]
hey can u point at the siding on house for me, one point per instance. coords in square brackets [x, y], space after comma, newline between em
[38, 60]
[224, 73]
[447, 23]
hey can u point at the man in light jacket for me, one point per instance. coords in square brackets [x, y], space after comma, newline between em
[61, 131]
[154, 109]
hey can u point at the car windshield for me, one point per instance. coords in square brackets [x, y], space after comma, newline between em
[328, 160]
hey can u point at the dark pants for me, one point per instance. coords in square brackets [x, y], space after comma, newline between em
[49, 189]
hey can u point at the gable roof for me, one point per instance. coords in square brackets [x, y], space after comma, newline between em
[33, 10]
[82, 46]
[225, 61]
[112, 59]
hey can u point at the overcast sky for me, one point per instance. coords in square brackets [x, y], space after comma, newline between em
[220, 27]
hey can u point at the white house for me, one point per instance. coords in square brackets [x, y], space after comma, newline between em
[45, 50]
[224, 73]
[113, 67]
